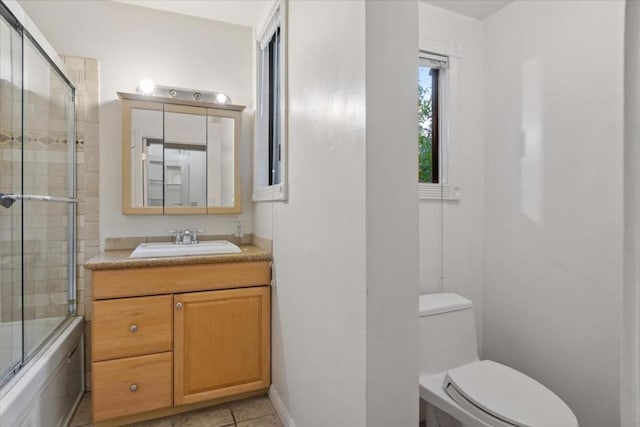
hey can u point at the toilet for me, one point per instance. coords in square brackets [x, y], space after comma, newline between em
[460, 390]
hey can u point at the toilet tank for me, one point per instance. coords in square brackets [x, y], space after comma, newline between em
[447, 332]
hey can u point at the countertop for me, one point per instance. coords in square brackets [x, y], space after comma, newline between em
[113, 260]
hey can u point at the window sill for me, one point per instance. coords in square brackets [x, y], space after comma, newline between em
[272, 193]
[438, 192]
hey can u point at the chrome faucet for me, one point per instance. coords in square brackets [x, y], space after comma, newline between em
[186, 236]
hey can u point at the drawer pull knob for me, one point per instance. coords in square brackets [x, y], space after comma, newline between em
[133, 387]
[179, 305]
[133, 328]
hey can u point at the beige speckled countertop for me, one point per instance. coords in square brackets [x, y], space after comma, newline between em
[113, 260]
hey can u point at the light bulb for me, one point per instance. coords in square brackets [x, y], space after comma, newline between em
[221, 98]
[146, 87]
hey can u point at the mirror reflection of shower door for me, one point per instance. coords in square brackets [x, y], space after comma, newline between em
[10, 183]
[166, 173]
[168, 186]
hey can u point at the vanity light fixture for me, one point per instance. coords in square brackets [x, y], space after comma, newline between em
[146, 87]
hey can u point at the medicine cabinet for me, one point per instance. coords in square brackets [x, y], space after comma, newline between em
[179, 156]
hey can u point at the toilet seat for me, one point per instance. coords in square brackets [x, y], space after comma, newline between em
[504, 397]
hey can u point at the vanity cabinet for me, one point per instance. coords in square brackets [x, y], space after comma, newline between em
[221, 343]
[172, 336]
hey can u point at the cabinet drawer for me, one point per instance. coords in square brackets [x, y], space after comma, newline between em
[131, 282]
[131, 386]
[132, 326]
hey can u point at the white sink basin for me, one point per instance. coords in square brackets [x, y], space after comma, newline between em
[213, 247]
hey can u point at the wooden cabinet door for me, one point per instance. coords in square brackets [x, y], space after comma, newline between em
[221, 343]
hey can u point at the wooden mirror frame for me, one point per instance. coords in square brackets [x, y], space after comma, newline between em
[147, 102]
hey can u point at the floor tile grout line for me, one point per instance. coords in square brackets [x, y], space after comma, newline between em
[259, 416]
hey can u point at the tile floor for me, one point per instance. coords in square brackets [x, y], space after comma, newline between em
[253, 412]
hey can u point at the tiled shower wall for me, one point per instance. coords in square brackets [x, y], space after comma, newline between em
[10, 172]
[46, 172]
[84, 75]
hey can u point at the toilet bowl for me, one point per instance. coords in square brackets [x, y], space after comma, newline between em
[460, 390]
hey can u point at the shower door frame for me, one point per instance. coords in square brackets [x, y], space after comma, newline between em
[15, 368]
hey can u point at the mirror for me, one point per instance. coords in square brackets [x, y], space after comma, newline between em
[180, 159]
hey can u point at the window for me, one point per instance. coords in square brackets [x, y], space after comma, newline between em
[275, 159]
[430, 69]
[428, 135]
[270, 141]
[433, 133]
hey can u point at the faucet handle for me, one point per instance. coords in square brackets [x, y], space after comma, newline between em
[176, 233]
[194, 234]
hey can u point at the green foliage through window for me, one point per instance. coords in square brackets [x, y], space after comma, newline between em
[425, 134]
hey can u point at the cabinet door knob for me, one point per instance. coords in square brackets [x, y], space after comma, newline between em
[133, 328]
[178, 305]
[133, 387]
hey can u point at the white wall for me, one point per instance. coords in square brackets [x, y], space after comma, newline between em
[130, 43]
[553, 176]
[318, 304]
[630, 369]
[391, 214]
[16, 9]
[344, 317]
[451, 232]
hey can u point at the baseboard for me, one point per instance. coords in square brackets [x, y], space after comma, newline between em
[278, 404]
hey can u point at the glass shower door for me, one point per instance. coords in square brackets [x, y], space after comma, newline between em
[10, 183]
[48, 190]
[37, 197]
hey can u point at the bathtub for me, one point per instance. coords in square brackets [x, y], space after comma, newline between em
[45, 392]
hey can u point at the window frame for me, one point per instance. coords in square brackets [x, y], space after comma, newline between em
[263, 189]
[435, 125]
[443, 188]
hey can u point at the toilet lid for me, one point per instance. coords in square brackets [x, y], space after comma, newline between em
[490, 389]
